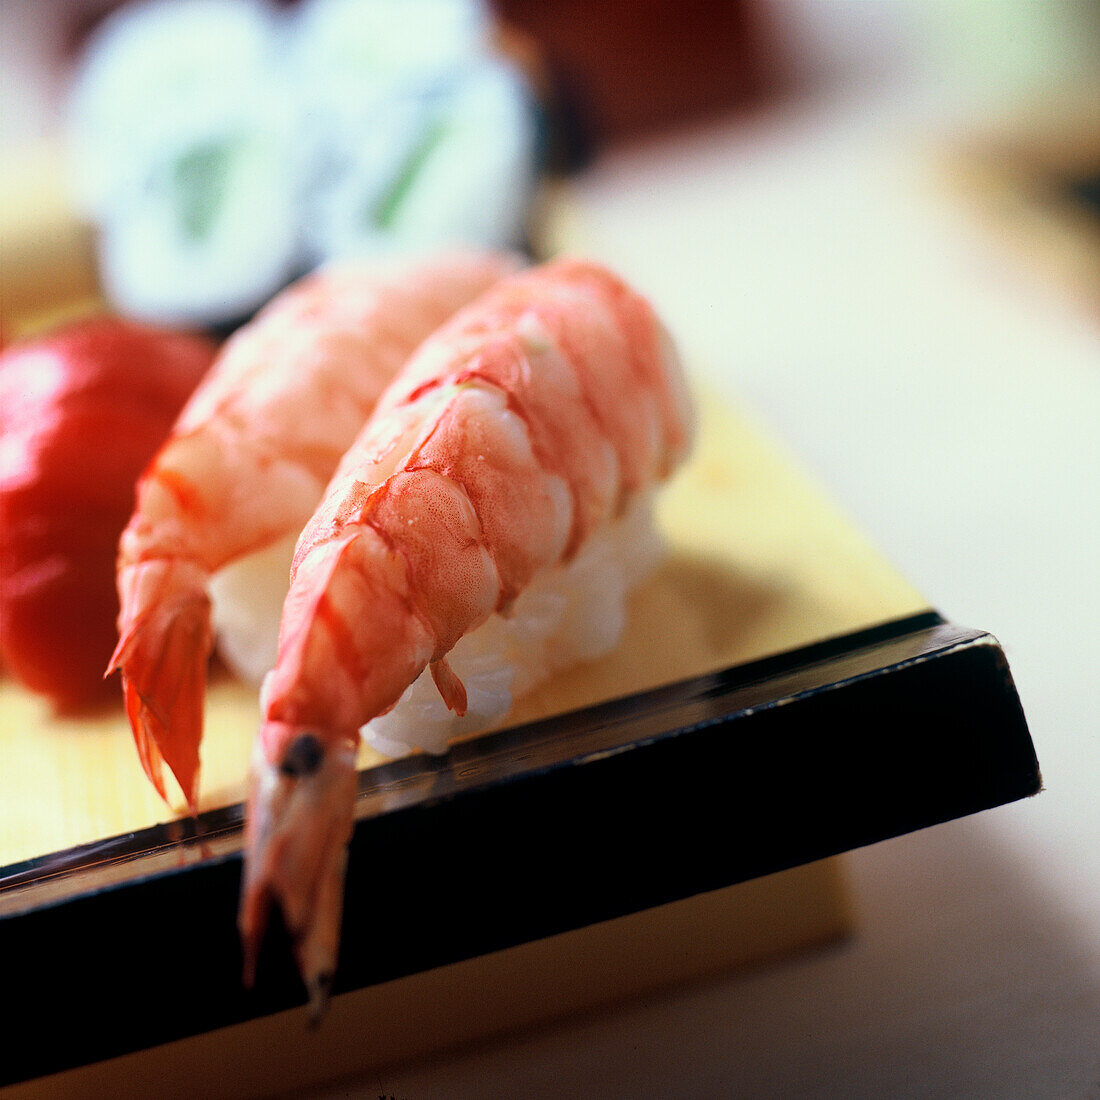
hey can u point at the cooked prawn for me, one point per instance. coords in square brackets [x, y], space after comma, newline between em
[534, 416]
[246, 464]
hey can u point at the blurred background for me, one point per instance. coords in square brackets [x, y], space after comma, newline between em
[219, 148]
[873, 224]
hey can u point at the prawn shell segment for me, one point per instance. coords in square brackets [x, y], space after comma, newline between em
[654, 361]
[361, 659]
[483, 445]
[432, 523]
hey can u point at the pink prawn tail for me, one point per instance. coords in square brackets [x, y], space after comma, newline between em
[164, 646]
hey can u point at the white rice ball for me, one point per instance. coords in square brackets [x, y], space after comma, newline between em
[247, 603]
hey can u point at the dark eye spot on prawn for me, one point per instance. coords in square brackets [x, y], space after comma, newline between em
[319, 995]
[303, 756]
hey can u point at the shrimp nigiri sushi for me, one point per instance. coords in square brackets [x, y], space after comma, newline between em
[524, 433]
[246, 464]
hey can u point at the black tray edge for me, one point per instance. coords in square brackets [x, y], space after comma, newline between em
[810, 753]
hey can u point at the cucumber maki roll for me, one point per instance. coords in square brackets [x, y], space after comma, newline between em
[182, 149]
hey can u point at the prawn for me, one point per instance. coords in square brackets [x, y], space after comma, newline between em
[246, 463]
[533, 417]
